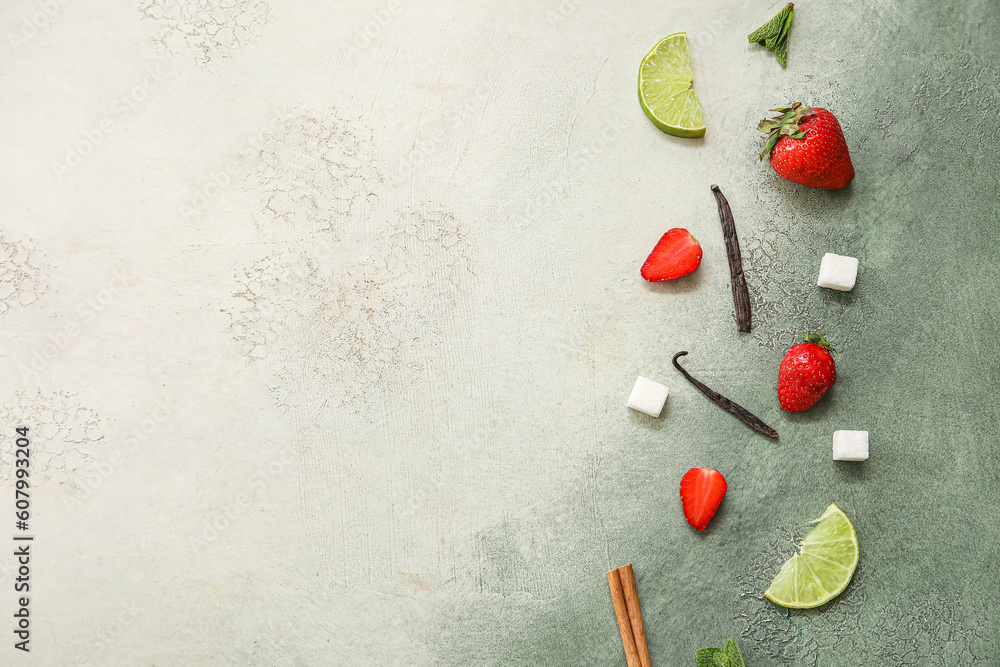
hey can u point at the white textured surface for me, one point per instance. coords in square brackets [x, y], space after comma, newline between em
[850, 445]
[337, 263]
[838, 272]
[648, 396]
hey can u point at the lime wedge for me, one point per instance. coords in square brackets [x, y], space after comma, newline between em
[665, 91]
[823, 567]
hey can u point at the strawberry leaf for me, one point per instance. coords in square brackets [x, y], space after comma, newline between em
[788, 124]
[772, 139]
[817, 337]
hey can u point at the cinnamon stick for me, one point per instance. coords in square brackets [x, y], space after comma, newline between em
[634, 613]
[624, 624]
[741, 295]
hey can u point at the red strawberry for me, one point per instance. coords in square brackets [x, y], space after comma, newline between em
[806, 373]
[677, 254]
[702, 489]
[806, 146]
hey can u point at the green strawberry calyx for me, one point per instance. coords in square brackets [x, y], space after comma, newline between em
[788, 124]
[817, 338]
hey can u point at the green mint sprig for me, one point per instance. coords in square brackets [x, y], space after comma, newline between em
[728, 656]
[773, 35]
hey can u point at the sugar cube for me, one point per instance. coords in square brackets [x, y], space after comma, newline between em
[648, 397]
[838, 272]
[850, 445]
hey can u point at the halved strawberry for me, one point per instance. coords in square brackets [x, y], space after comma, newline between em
[702, 489]
[677, 254]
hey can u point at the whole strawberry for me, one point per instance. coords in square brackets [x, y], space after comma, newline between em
[806, 373]
[806, 145]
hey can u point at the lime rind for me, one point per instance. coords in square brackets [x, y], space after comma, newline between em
[666, 89]
[823, 567]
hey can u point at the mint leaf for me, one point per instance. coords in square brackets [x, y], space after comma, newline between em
[709, 657]
[786, 25]
[781, 53]
[732, 653]
[773, 35]
[781, 49]
[720, 657]
[770, 29]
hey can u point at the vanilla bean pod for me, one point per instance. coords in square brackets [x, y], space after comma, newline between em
[734, 409]
[741, 295]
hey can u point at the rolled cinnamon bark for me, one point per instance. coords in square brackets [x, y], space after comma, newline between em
[624, 624]
[634, 613]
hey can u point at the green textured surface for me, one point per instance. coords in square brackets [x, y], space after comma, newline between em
[916, 88]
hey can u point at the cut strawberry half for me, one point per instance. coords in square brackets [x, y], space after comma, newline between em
[677, 254]
[702, 489]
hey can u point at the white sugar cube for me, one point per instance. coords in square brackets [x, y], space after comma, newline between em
[850, 445]
[838, 272]
[648, 397]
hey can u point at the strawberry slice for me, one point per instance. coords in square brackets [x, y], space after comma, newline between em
[677, 254]
[702, 489]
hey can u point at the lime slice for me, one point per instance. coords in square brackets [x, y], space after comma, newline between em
[822, 568]
[665, 90]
